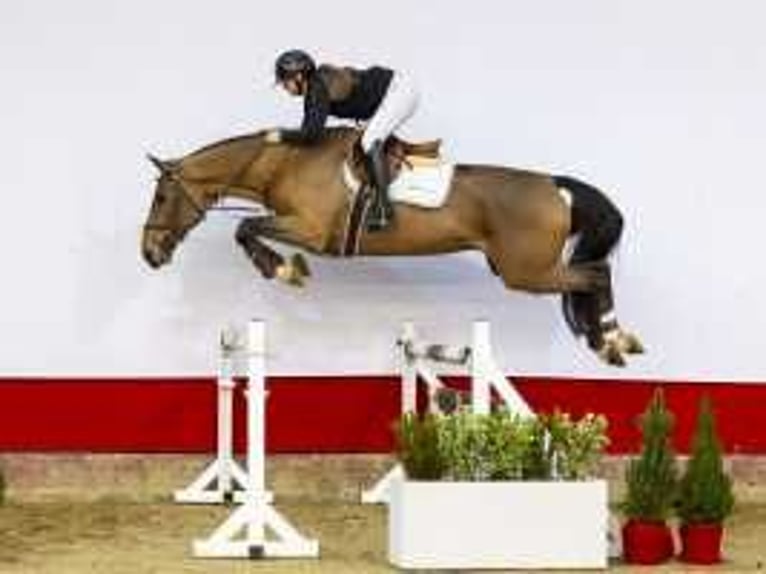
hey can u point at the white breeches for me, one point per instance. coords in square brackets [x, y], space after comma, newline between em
[398, 105]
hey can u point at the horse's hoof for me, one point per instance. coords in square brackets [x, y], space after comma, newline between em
[630, 344]
[299, 263]
[290, 275]
[611, 355]
[296, 281]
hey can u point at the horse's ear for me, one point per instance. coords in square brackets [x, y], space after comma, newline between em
[166, 166]
[158, 163]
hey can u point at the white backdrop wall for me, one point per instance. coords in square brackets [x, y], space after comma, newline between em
[659, 103]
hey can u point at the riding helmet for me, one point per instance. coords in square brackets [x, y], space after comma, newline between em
[293, 62]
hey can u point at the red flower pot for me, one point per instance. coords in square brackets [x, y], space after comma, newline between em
[646, 542]
[701, 543]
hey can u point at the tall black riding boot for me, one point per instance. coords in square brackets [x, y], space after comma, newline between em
[381, 212]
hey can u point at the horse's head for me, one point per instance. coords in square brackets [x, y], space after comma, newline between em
[243, 166]
[177, 207]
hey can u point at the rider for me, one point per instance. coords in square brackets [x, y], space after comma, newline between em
[382, 97]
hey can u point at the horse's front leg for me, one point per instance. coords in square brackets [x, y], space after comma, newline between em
[268, 261]
[297, 231]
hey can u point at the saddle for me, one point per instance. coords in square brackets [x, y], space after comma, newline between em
[402, 148]
[399, 153]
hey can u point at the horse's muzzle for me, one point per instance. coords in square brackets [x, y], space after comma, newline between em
[150, 259]
[154, 254]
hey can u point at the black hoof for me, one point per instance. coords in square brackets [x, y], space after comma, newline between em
[612, 356]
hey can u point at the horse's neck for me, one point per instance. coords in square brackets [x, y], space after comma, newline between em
[309, 171]
[248, 171]
[238, 170]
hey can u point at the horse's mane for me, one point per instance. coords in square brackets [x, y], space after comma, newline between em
[256, 137]
[243, 138]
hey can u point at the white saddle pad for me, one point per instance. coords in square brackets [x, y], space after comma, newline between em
[422, 185]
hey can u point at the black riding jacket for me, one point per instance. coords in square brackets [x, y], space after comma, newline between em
[342, 93]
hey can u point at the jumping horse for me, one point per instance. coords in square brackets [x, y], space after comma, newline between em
[520, 220]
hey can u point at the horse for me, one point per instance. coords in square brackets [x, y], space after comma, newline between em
[520, 220]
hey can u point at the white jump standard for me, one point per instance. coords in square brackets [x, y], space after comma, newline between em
[223, 480]
[255, 529]
[485, 376]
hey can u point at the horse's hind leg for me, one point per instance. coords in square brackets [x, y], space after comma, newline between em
[594, 312]
[606, 318]
[595, 316]
[582, 283]
[559, 278]
[599, 225]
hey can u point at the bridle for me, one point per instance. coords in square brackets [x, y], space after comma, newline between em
[177, 231]
[189, 198]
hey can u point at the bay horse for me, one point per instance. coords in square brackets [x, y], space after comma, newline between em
[521, 221]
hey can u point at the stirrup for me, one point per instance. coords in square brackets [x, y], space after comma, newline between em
[377, 222]
[379, 216]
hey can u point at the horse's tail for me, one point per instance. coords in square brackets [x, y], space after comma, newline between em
[598, 224]
[594, 216]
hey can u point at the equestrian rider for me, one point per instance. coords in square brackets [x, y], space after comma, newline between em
[383, 98]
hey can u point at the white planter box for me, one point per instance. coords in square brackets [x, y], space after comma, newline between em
[498, 524]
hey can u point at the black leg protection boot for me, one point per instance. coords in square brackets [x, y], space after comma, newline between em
[381, 212]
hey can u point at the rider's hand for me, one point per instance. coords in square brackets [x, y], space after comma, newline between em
[273, 136]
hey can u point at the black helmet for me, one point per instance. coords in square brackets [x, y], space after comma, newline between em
[293, 62]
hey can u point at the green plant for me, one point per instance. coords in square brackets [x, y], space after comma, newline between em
[705, 493]
[651, 479]
[483, 446]
[463, 442]
[508, 438]
[418, 446]
[538, 454]
[576, 446]
[501, 445]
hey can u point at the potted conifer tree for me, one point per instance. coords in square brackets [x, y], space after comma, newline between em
[705, 494]
[651, 483]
